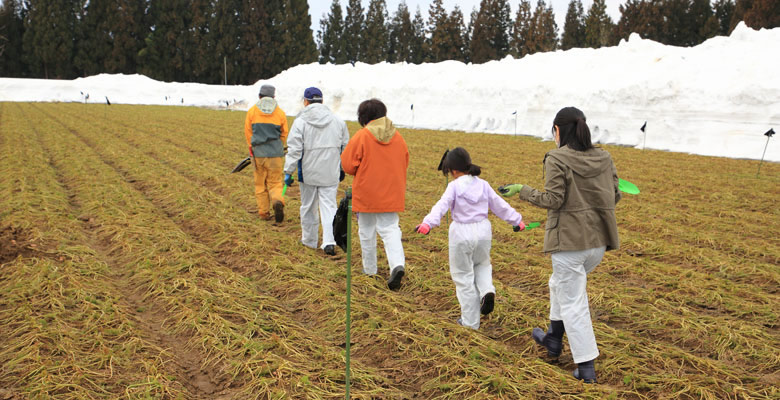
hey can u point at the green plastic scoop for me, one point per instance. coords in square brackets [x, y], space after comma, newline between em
[627, 187]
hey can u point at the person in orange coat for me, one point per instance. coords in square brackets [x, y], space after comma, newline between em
[378, 158]
[266, 131]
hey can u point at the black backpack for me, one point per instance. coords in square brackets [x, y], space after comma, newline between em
[340, 223]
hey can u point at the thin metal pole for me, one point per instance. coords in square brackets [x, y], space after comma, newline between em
[225, 63]
[762, 156]
[349, 284]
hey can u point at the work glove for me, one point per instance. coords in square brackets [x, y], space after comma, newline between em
[288, 180]
[519, 227]
[423, 228]
[510, 190]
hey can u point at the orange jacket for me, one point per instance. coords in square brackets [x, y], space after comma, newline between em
[265, 129]
[378, 158]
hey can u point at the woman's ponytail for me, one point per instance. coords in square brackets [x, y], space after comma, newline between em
[574, 131]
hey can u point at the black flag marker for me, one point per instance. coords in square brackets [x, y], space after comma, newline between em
[643, 127]
[768, 135]
[107, 102]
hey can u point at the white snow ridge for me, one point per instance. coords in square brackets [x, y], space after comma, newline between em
[716, 99]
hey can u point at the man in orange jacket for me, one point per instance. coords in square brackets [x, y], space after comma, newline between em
[378, 158]
[266, 131]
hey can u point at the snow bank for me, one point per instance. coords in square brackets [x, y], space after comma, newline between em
[717, 98]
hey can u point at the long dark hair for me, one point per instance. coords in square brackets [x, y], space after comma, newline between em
[574, 131]
[458, 159]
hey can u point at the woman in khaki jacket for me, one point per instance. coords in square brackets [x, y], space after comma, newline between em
[580, 193]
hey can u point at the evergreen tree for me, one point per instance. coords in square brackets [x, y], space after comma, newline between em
[11, 34]
[702, 22]
[93, 38]
[574, 27]
[401, 36]
[418, 46]
[490, 36]
[437, 42]
[375, 35]
[643, 17]
[521, 30]
[128, 26]
[50, 30]
[204, 66]
[258, 57]
[164, 54]
[677, 30]
[329, 37]
[724, 11]
[543, 32]
[353, 31]
[598, 25]
[760, 13]
[302, 49]
[225, 35]
[458, 31]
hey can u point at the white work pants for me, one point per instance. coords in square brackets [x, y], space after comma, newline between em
[312, 199]
[386, 224]
[569, 299]
[470, 267]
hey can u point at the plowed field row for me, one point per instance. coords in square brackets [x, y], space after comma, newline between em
[130, 237]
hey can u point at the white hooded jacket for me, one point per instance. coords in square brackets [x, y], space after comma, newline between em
[317, 138]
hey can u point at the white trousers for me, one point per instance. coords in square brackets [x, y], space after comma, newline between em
[386, 224]
[314, 198]
[569, 299]
[470, 267]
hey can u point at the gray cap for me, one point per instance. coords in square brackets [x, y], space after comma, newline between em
[267, 90]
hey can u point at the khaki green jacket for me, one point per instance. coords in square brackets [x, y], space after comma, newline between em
[580, 193]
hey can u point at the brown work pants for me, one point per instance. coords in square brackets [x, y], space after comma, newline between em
[269, 178]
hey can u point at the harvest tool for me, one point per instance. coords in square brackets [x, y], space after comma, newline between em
[243, 164]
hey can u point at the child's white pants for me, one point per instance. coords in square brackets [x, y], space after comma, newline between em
[386, 224]
[313, 199]
[470, 267]
[569, 299]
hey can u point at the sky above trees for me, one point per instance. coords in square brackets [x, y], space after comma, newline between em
[319, 7]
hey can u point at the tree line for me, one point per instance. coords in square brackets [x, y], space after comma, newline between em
[493, 31]
[241, 41]
[207, 41]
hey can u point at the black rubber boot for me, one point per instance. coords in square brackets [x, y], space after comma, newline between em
[487, 303]
[394, 283]
[585, 372]
[552, 340]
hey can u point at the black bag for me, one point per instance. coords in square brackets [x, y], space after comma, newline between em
[340, 223]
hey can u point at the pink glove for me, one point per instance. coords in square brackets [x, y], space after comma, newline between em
[423, 228]
[519, 227]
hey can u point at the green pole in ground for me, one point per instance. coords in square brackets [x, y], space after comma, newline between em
[349, 280]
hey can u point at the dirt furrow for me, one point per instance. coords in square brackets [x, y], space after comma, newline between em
[150, 317]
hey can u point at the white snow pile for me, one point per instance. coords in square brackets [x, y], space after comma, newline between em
[717, 98]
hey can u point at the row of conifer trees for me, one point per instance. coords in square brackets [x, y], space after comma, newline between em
[241, 41]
